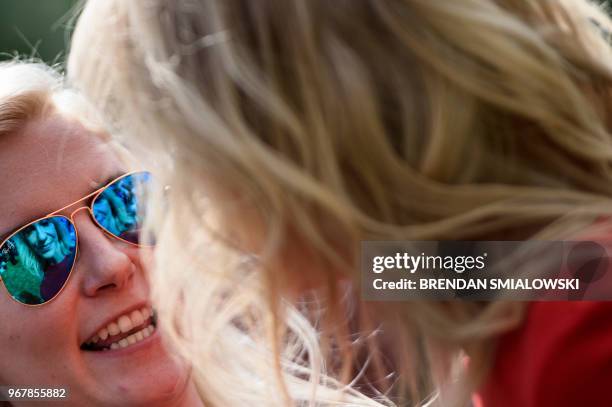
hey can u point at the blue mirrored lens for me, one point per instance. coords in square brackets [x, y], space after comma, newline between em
[120, 208]
[35, 262]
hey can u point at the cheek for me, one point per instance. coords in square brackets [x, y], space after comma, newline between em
[33, 339]
[16, 340]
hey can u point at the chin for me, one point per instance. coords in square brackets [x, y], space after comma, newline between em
[146, 375]
[161, 385]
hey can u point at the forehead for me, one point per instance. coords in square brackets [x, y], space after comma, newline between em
[49, 164]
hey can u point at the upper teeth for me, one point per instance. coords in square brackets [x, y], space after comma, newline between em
[124, 323]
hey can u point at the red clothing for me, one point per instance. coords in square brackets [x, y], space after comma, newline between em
[561, 356]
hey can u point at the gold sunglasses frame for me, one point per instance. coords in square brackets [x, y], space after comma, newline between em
[94, 195]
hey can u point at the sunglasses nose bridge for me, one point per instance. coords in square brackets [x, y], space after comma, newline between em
[77, 210]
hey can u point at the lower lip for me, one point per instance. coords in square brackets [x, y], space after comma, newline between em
[141, 346]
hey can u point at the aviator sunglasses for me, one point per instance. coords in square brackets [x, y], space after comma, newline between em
[37, 259]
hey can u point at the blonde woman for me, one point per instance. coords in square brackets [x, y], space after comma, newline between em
[75, 308]
[291, 130]
[77, 323]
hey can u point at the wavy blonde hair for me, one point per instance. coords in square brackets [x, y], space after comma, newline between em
[324, 123]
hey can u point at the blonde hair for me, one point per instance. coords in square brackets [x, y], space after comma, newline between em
[340, 121]
[26, 91]
[30, 90]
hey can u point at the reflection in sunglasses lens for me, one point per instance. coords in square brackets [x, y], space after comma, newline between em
[36, 261]
[119, 208]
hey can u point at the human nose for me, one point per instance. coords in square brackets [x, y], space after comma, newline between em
[107, 264]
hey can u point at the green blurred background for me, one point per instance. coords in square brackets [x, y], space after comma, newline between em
[35, 28]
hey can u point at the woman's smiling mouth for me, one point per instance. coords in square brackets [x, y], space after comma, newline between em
[128, 329]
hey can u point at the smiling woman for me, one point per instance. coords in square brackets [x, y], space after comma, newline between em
[74, 309]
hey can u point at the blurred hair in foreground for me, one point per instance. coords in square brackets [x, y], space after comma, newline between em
[307, 126]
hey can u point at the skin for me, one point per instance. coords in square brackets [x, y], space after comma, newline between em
[52, 162]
